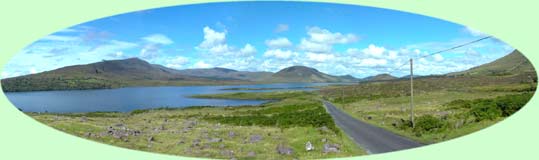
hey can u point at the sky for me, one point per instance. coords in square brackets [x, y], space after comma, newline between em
[265, 36]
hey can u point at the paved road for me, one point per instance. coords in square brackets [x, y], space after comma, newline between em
[371, 138]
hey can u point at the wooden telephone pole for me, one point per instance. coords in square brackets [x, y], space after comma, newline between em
[412, 92]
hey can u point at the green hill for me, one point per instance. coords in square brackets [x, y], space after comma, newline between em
[104, 74]
[306, 74]
[512, 64]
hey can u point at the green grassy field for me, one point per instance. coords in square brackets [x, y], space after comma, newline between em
[444, 107]
[245, 132]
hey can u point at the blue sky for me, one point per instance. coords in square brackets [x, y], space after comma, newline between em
[265, 36]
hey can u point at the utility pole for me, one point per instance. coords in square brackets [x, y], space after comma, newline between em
[412, 91]
[342, 98]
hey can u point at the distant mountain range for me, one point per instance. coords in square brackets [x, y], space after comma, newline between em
[137, 72]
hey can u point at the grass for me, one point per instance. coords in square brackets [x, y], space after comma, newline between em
[171, 134]
[387, 104]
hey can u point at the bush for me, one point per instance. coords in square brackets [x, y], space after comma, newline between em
[429, 124]
[486, 109]
[512, 103]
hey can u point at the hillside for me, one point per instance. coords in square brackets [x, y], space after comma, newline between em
[380, 77]
[137, 72]
[226, 74]
[511, 64]
[104, 74]
[306, 74]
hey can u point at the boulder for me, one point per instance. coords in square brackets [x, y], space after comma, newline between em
[231, 134]
[331, 148]
[309, 146]
[255, 138]
[251, 154]
[283, 150]
[215, 140]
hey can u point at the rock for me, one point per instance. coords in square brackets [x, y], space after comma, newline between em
[196, 142]
[119, 125]
[231, 134]
[309, 146]
[227, 153]
[215, 140]
[161, 128]
[151, 139]
[222, 146]
[281, 149]
[324, 129]
[324, 140]
[83, 119]
[88, 134]
[251, 154]
[335, 148]
[369, 117]
[255, 138]
[181, 142]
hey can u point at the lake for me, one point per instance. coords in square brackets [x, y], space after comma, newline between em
[131, 98]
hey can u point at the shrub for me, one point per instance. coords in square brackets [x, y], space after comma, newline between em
[512, 103]
[429, 124]
[486, 109]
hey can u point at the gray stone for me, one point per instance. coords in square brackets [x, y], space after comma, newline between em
[323, 129]
[281, 149]
[251, 154]
[227, 153]
[231, 134]
[309, 146]
[328, 148]
[255, 138]
[196, 142]
[83, 119]
[151, 139]
[215, 140]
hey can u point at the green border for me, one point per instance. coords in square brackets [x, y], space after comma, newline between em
[24, 21]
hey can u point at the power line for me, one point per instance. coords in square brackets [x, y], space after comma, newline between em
[458, 46]
[445, 50]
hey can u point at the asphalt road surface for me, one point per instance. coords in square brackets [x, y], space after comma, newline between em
[369, 137]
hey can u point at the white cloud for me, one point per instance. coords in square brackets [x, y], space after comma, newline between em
[149, 51]
[212, 38]
[248, 49]
[119, 54]
[320, 35]
[177, 62]
[310, 46]
[371, 62]
[316, 57]
[438, 57]
[280, 54]
[60, 38]
[474, 32]
[281, 28]
[392, 55]
[158, 39]
[33, 71]
[322, 40]
[373, 50]
[202, 64]
[215, 44]
[278, 43]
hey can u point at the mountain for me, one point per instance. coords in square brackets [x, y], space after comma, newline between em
[104, 74]
[380, 77]
[226, 74]
[511, 64]
[306, 74]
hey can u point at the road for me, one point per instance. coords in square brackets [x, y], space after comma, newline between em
[371, 138]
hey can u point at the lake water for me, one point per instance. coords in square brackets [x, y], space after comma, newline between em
[128, 99]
